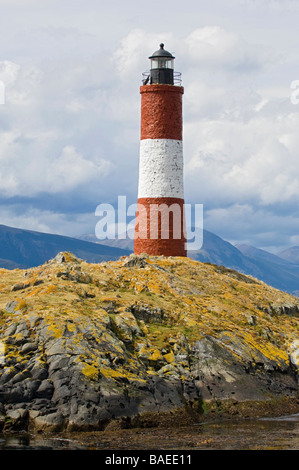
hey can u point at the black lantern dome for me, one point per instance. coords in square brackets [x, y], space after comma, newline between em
[162, 67]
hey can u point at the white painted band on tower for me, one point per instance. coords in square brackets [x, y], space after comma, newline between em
[161, 168]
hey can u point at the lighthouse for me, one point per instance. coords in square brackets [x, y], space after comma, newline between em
[160, 219]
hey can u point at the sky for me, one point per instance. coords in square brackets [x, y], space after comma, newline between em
[70, 113]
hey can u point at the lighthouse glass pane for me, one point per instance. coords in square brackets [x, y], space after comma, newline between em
[170, 64]
[162, 63]
[154, 64]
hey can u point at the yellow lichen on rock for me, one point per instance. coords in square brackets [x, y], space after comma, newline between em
[22, 305]
[140, 328]
[90, 371]
[170, 357]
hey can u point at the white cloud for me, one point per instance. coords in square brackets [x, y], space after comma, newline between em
[8, 72]
[31, 218]
[70, 124]
[52, 174]
[217, 48]
[253, 159]
[258, 226]
[71, 170]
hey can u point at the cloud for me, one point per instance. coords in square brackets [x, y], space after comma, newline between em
[275, 4]
[217, 48]
[50, 174]
[69, 130]
[252, 159]
[264, 227]
[43, 220]
[72, 170]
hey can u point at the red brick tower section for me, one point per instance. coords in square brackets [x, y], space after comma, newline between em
[160, 219]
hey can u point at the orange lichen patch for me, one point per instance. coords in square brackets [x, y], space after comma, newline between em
[107, 299]
[35, 292]
[21, 305]
[140, 287]
[68, 256]
[154, 286]
[51, 289]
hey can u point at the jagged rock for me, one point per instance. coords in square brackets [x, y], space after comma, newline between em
[294, 353]
[74, 275]
[146, 313]
[60, 258]
[11, 306]
[20, 287]
[127, 324]
[17, 419]
[283, 309]
[138, 261]
[28, 347]
[45, 389]
[52, 422]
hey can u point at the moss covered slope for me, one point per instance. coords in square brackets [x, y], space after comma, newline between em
[87, 343]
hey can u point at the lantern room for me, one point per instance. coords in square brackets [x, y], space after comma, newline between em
[162, 67]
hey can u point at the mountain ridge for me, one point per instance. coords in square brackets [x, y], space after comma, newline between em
[21, 248]
[290, 254]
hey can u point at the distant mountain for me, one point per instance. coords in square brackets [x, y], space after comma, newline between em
[269, 268]
[24, 248]
[290, 254]
[257, 253]
[274, 270]
[215, 250]
[123, 243]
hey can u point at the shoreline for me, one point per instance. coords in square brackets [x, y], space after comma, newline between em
[222, 433]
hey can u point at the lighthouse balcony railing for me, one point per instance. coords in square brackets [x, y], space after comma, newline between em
[177, 78]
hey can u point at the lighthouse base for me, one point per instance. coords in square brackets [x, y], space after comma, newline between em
[160, 227]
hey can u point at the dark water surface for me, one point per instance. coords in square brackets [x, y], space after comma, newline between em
[280, 433]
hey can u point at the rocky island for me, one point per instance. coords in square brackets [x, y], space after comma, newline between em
[140, 340]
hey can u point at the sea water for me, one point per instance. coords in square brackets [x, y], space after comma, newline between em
[280, 433]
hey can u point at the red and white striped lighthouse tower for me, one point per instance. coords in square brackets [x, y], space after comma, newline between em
[160, 219]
